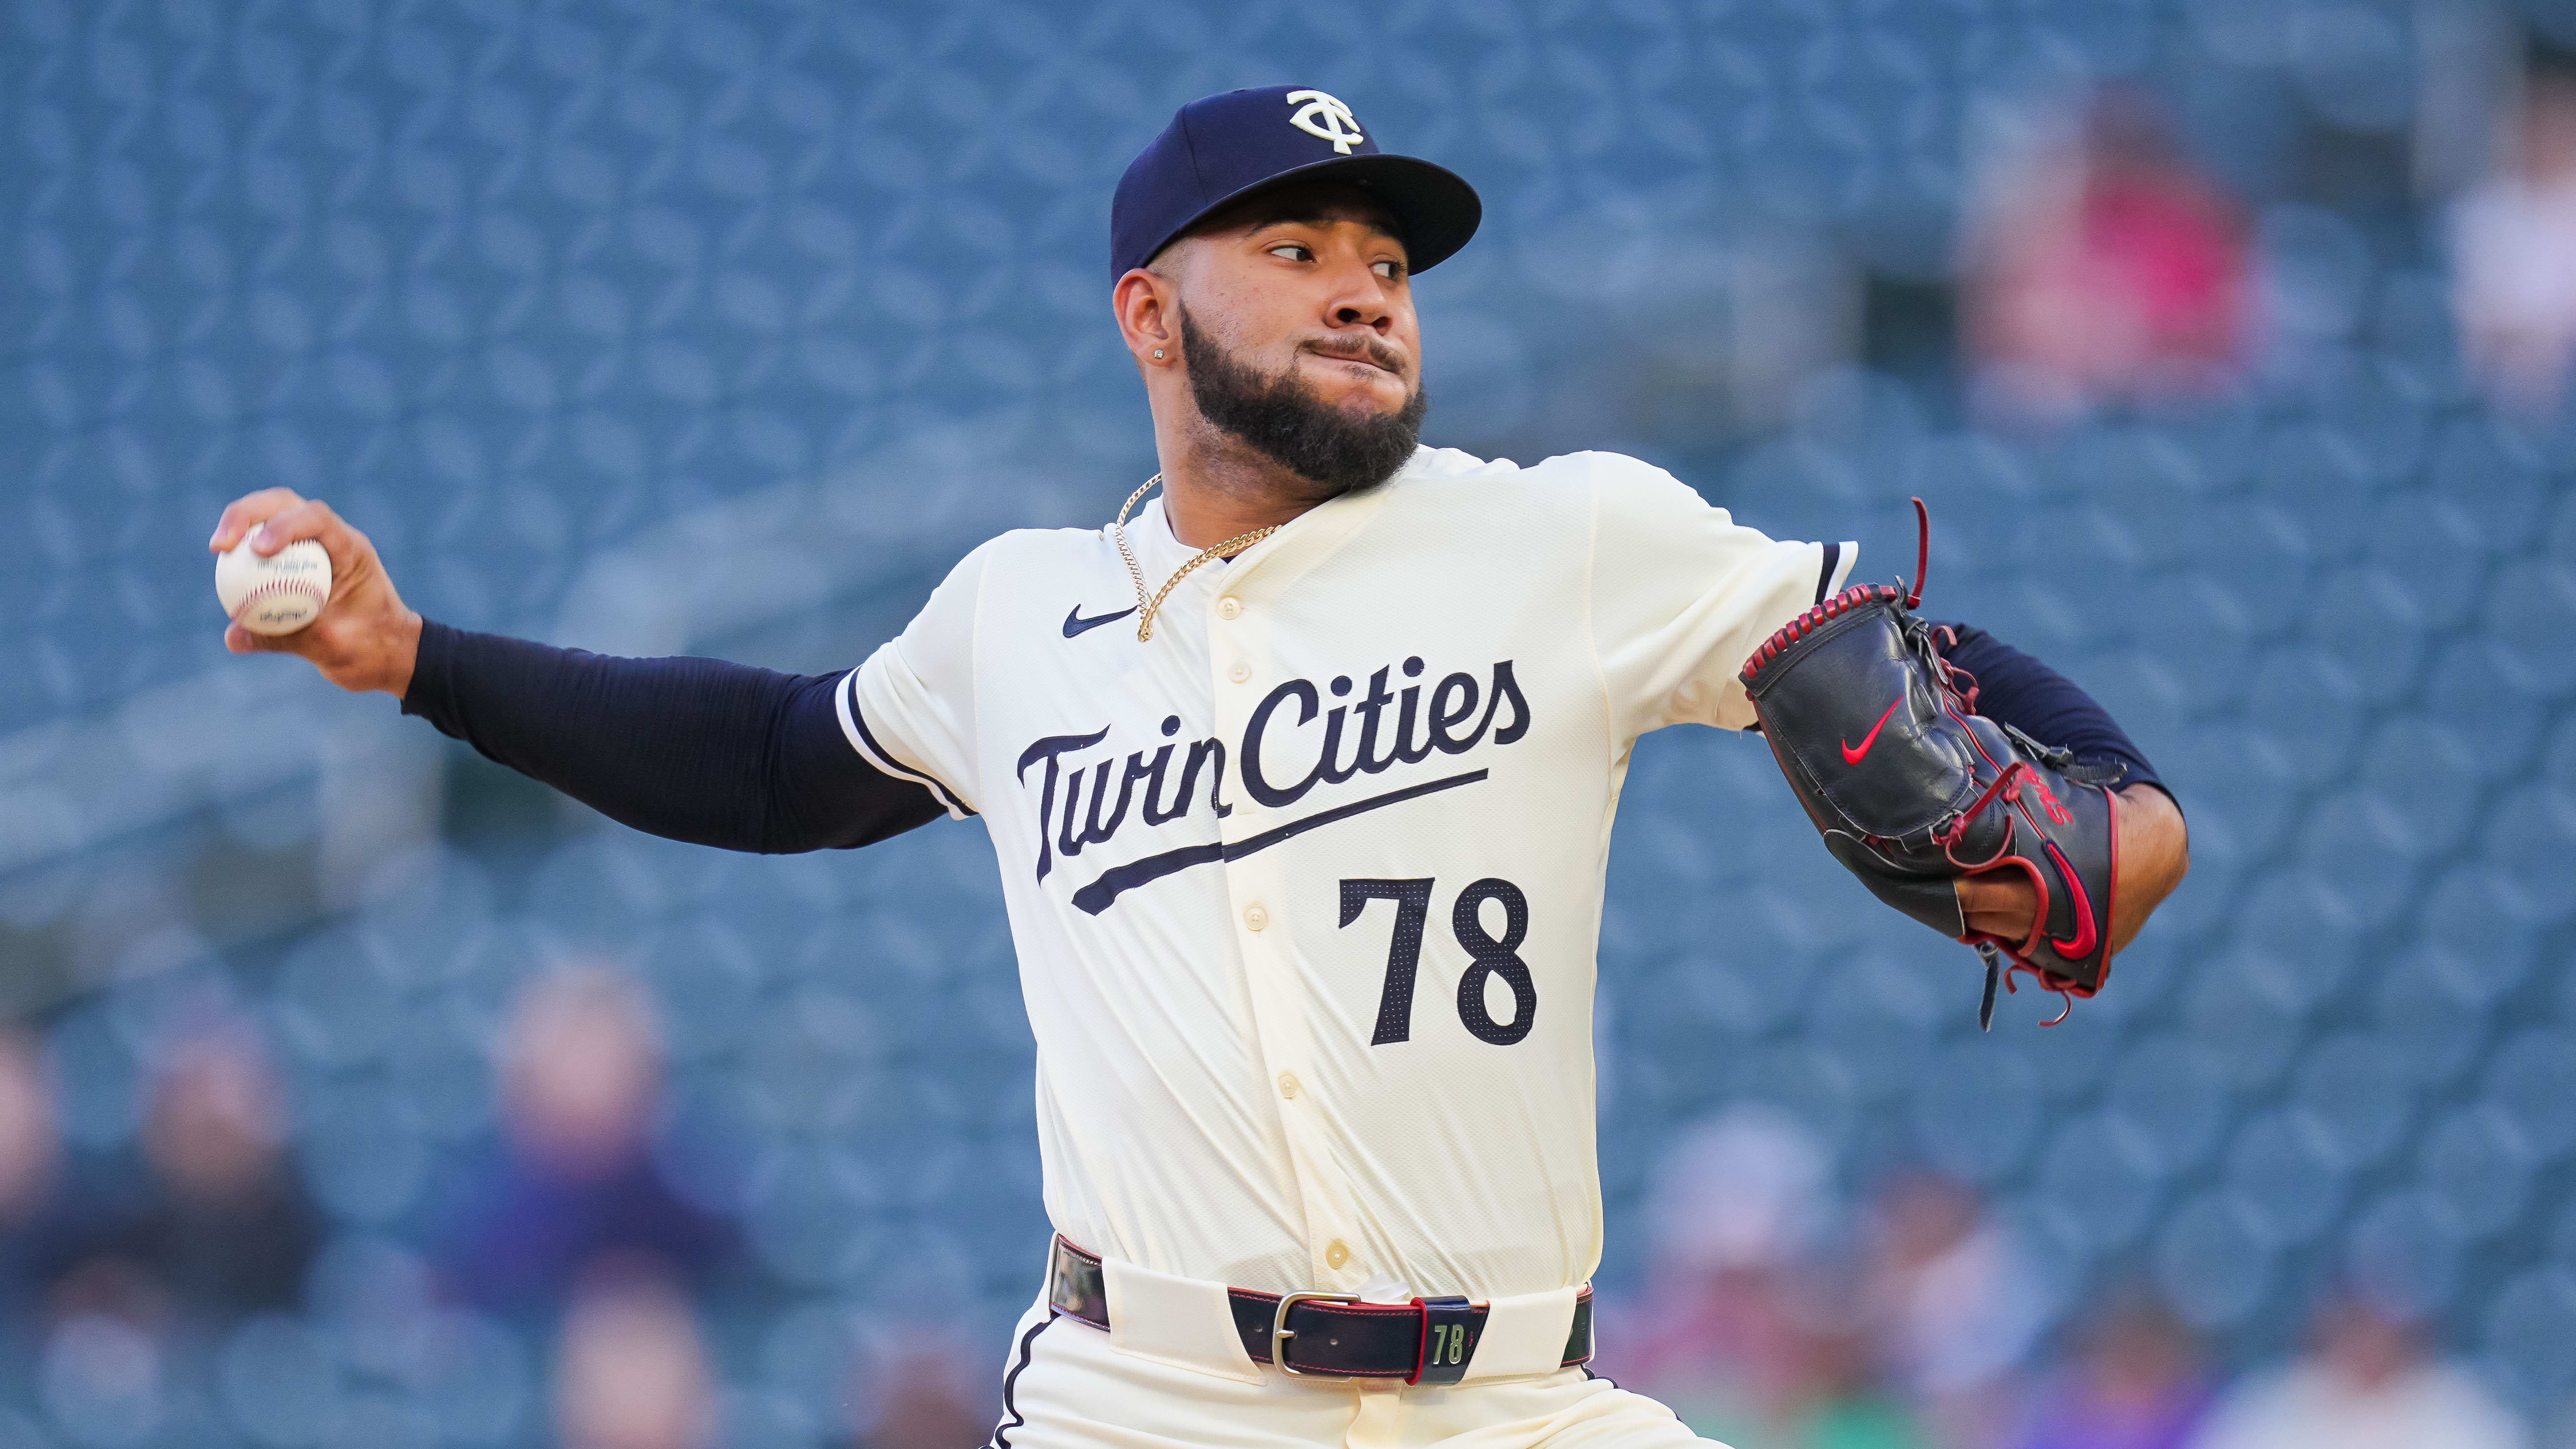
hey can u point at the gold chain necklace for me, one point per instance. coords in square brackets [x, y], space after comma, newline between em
[1145, 607]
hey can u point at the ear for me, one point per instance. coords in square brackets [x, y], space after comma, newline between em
[1147, 318]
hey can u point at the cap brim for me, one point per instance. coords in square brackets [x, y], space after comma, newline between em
[1435, 210]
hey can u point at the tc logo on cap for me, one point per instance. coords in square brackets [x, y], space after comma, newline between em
[1221, 148]
[1321, 115]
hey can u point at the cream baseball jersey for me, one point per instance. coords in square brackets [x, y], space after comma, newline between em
[1306, 888]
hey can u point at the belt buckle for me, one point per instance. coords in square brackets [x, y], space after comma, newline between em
[1280, 1332]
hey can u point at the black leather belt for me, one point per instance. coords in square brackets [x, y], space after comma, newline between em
[1327, 1335]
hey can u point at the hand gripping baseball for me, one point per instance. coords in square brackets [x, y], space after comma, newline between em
[365, 638]
[1928, 802]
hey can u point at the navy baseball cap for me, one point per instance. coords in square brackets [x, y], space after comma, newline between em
[1227, 147]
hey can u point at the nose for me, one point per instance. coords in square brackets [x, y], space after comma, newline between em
[1360, 301]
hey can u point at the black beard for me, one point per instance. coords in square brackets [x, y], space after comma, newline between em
[1282, 420]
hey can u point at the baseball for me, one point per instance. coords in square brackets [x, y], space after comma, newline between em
[275, 595]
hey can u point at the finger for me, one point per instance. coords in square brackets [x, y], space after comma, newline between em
[1997, 907]
[308, 518]
[248, 511]
[242, 641]
[312, 518]
[2010, 925]
[1996, 893]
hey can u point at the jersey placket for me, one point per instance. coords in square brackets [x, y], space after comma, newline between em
[1242, 669]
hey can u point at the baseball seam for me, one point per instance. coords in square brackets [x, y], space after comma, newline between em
[258, 592]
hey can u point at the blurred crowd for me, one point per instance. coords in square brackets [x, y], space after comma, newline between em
[2101, 264]
[1777, 1319]
[195, 1264]
[2512, 238]
[1775, 1315]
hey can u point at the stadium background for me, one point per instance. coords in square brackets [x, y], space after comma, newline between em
[578, 306]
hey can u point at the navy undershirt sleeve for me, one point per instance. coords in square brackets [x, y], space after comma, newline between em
[2015, 689]
[692, 749]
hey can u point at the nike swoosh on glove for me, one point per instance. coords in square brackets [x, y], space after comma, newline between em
[1946, 793]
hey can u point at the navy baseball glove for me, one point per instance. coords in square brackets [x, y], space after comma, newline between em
[1913, 789]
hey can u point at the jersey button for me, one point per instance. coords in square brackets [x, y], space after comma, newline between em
[1336, 1253]
[1240, 672]
[1229, 607]
[1289, 1086]
[1254, 917]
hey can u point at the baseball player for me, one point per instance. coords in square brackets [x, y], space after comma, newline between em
[1300, 776]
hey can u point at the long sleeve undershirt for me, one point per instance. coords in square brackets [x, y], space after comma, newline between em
[2015, 689]
[727, 755]
[693, 749]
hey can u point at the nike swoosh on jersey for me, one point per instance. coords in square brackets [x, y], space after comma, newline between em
[1852, 756]
[1074, 623]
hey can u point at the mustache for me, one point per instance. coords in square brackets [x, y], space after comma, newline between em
[1359, 349]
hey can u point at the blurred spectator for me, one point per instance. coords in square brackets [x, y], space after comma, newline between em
[2104, 266]
[631, 1371]
[2136, 1383]
[2366, 1384]
[2514, 249]
[574, 1179]
[1954, 1306]
[923, 1396]
[30, 1163]
[219, 1222]
[1742, 1189]
[1842, 1405]
[217, 1227]
[101, 1374]
[233, 1226]
[30, 1148]
[1732, 1210]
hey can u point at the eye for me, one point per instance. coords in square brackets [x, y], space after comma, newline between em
[1390, 270]
[1293, 251]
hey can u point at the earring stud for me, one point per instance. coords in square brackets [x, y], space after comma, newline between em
[1158, 352]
